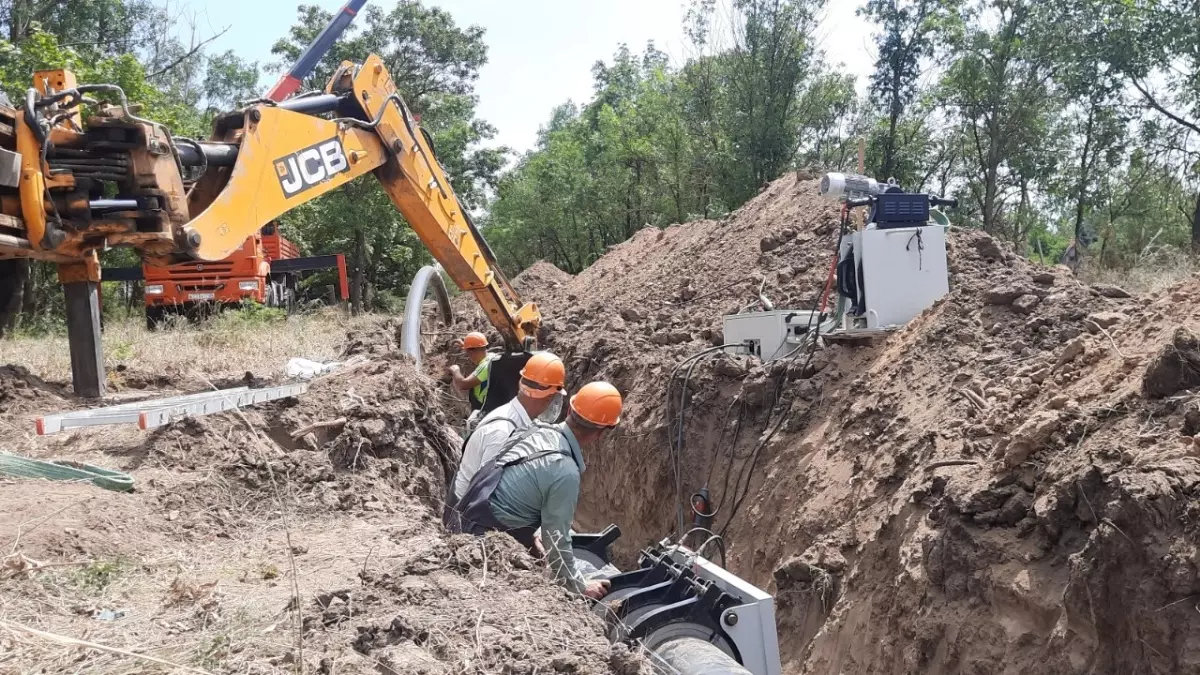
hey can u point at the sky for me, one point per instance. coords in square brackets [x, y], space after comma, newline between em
[540, 52]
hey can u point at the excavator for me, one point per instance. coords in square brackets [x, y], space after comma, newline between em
[81, 172]
[70, 188]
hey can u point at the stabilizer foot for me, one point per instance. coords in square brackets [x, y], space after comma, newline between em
[83, 335]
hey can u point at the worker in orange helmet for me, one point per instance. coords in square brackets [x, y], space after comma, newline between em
[475, 346]
[542, 381]
[534, 482]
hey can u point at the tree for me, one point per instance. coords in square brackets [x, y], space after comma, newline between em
[434, 63]
[908, 36]
[1153, 45]
[1001, 90]
[229, 79]
[768, 68]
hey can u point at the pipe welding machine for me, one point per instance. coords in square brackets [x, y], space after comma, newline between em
[690, 614]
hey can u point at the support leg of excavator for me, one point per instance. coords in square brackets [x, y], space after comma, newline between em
[81, 283]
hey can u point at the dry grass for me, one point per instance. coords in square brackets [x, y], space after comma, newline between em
[226, 346]
[1151, 275]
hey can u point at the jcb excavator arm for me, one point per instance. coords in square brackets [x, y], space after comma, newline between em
[287, 158]
[69, 189]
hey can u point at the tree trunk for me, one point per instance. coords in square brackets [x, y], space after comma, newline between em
[1196, 224]
[29, 293]
[989, 203]
[13, 276]
[359, 283]
[1081, 192]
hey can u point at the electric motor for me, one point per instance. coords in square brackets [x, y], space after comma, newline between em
[849, 186]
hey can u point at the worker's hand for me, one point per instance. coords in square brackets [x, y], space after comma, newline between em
[538, 548]
[597, 589]
[455, 370]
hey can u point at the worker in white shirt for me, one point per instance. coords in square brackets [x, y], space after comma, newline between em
[542, 380]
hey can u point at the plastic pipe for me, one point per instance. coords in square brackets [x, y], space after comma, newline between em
[692, 656]
[410, 331]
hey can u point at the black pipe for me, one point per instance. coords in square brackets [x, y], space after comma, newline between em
[216, 154]
[308, 105]
[313, 105]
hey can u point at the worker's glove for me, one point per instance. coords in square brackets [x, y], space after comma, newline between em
[597, 589]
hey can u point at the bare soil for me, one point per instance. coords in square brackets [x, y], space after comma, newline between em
[250, 548]
[1007, 485]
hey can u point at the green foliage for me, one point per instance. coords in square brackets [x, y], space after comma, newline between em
[249, 314]
[910, 33]
[99, 575]
[659, 145]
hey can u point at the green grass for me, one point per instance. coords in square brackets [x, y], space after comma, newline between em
[101, 574]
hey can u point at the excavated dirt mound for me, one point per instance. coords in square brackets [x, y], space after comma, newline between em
[22, 391]
[306, 530]
[540, 279]
[1008, 484]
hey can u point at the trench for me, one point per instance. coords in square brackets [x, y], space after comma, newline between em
[678, 648]
[646, 477]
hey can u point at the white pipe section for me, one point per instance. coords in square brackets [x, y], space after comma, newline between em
[410, 331]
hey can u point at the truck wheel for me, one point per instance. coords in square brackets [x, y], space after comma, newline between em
[154, 317]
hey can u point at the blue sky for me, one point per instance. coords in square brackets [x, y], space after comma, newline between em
[540, 51]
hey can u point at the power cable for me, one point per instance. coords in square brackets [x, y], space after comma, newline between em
[675, 436]
[746, 474]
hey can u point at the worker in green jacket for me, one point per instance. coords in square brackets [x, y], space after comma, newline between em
[475, 346]
[534, 482]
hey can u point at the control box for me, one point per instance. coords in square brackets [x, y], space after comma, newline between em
[768, 335]
[902, 271]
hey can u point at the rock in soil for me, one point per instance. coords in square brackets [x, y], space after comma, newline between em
[1176, 368]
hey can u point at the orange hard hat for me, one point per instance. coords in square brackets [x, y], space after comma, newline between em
[475, 340]
[598, 403]
[543, 375]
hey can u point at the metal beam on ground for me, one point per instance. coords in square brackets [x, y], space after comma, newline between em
[157, 412]
[117, 414]
[161, 416]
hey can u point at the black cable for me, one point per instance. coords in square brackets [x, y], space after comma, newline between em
[675, 440]
[742, 487]
[720, 437]
[737, 434]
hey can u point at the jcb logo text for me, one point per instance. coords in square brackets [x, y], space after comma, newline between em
[305, 168]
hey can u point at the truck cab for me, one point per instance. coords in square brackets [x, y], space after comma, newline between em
[194, 288]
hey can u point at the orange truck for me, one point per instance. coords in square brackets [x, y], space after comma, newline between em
[266, 269]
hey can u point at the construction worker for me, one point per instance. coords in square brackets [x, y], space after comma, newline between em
[542, 379]
[534, 482]
[475, 345]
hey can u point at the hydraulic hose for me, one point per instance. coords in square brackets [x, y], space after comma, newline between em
[693, 656]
